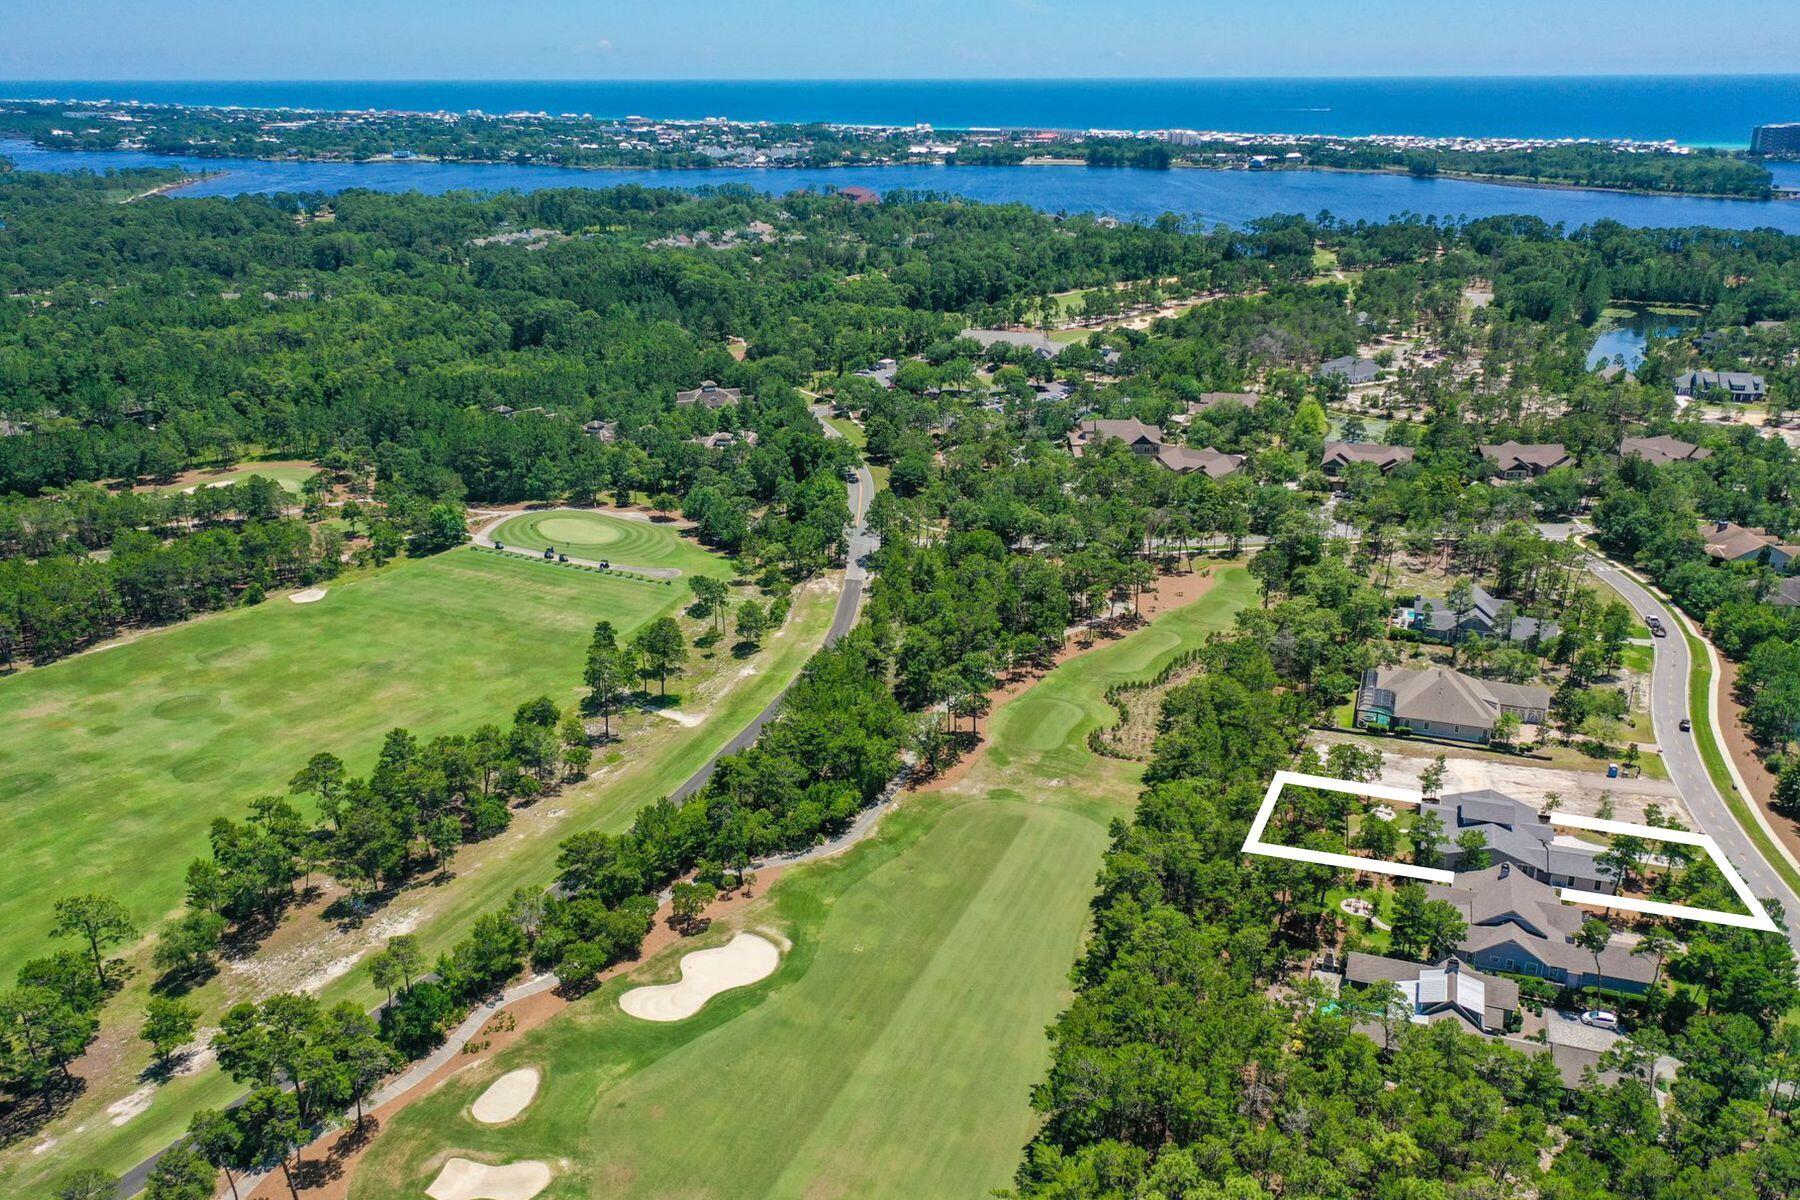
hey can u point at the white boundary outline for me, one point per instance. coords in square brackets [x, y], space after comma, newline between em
[1254, 844]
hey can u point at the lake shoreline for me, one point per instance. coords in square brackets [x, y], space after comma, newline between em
[1774, 196]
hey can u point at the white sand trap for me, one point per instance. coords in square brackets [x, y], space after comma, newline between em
[688, 720]
[309, 596]
[188, 491]
[743, 960]
[464, 1180]
[506, 1097]
[221, 483]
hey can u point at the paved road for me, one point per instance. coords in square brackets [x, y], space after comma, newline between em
[849, 607]
[1668, 706]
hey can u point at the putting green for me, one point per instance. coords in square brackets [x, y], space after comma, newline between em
[114, 763]
[893, 1051]
[601, 536]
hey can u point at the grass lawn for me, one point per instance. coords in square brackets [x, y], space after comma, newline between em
[892, 1053]
[850, 431]
[116, 761]
[654, 756]
[602, 537]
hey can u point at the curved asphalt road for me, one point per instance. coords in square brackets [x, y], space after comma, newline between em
[1668, 707]
[849, 607]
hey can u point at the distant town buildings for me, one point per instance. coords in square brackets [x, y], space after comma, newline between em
[1779, 139]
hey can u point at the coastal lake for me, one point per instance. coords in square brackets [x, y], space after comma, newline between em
[1624, 337]
[1204, 196]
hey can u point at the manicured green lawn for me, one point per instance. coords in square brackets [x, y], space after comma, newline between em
[892, 1053]
[602, 537]
[115, 762]
[652, 760]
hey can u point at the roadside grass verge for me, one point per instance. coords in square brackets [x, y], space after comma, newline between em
[1713, 755]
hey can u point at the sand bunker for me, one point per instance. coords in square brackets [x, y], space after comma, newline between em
[684, 719]
[309, 596]
[507, 1097]
[464, 1180]
[743, 960]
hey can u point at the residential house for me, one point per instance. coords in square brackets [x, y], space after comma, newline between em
[1186, 460]
[1339, 455]
[1727, 541]
[1351, 369]
[1517, 834]
[1435, 618]
[1030, 339]
[709, 395]
[1439, 702]
[1518, 460]
[1211, 400]
[1787, 593]
[1517, 925]
[859, 195]
[1662, 450]
[1450, 990]
[725, 439]
[504, 410]
[1721, 385]
[606, 431]
[1144, 440]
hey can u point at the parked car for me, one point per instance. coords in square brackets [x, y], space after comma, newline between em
[1687, 726]
[1599, 1018]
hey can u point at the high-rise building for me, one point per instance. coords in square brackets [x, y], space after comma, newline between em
[1776, 139]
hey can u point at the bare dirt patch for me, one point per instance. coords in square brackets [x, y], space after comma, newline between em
[1579, 792]
[1742, 748]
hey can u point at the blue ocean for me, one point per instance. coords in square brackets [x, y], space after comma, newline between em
[1717, 110]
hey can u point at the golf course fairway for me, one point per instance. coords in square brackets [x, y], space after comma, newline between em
[892, 1052]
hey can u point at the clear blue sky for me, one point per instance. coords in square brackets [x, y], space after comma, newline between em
[838, 39]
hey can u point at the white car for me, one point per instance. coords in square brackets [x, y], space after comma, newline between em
[1599, 1018]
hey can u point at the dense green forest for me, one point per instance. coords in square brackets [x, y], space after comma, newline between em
[382, 339]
